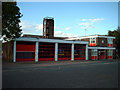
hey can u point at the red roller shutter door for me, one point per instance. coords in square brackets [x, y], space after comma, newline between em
[46, 52]
[79, 52]
[25, 51]
[64, 51]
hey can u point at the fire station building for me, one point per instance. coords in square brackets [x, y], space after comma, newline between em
[49, 48]
[41, 49]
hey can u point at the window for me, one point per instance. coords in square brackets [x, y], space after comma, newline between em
[110, 40]
[92, 40]
[47, 28]
[94, 52]
[110, 52]
[47, 23]
[44, 29]
[47, 34]
[102, 41]
[44, 22]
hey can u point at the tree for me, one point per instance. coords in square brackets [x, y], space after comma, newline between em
[116, 34]
[118, 29]
[10, 21]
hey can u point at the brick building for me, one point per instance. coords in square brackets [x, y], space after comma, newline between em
[48, 27]
[99, 47]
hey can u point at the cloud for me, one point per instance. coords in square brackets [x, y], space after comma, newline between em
[61, 34]
[39, 27]
[84, 19]
[70, 35]
[67, 28]
[96, 20]
[90, 23]
[30, 28]
[87, 25]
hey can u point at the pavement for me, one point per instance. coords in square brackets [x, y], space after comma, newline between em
[61, 74]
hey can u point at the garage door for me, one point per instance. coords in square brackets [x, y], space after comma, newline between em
[79, 52]
[46, 52]
[64, 51]
[25, 51]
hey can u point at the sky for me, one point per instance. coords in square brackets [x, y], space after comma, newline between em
[71, 19]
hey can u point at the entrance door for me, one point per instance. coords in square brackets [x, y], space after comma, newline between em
[109, 54]
[101, 54]
[94, 54]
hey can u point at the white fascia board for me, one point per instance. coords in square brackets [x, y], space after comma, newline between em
[101, 48]
[73, 38]
[107, 37]
[49, 40]
[90, 37]
[97, 36]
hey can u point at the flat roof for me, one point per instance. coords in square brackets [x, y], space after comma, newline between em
[49, 18]
[49, 40]
[40, 36]
[91, 36]
[101, 48]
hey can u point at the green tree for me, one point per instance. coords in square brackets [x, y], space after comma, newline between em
[116, 34]
[10, 21]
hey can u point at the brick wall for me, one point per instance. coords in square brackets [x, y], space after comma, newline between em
[7, 49]
[100, 43]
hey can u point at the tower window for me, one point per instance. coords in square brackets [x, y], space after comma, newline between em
[44, 22]
[47, 23]
[47, 28]
[47, 34]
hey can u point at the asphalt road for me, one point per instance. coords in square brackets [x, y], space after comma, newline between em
[77, 74]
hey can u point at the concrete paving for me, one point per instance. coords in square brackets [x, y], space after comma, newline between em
[61, 74]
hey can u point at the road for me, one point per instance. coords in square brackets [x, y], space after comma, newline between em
[78, 74]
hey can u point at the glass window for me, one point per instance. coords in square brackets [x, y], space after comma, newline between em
[44, 22]
[44, 28]
[92, 40]
[110, 52]
[94, 52]
[110, 40]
